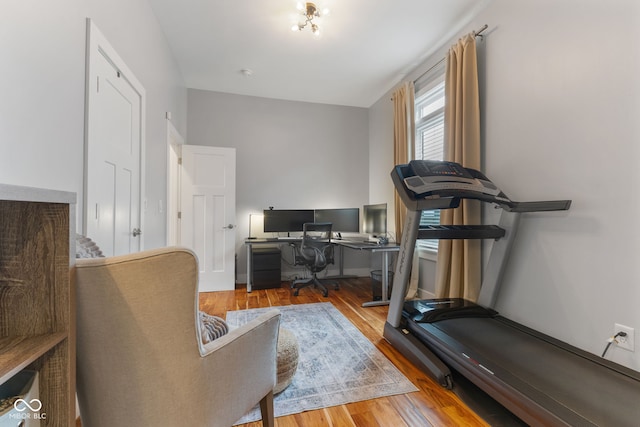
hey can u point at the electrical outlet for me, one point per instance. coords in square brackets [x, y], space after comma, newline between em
[625, 342]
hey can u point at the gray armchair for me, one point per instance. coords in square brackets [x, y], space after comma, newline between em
[140, 360]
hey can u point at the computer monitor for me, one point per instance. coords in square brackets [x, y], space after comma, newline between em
[374, 219]
[344, 220]
[285, 220]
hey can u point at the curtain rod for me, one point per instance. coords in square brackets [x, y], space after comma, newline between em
[477, 33]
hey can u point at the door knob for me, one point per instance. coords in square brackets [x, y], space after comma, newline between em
[230, 226]
[136, 232]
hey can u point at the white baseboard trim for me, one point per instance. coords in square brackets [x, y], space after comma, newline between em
[287, 275]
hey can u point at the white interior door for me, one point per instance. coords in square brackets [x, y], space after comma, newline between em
[208, 203]
[115, 116]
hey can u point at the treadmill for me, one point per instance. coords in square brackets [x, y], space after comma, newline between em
[539, 379]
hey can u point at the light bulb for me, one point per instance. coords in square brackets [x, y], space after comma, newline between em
[299, 6]
[325, 12]
[296, 27]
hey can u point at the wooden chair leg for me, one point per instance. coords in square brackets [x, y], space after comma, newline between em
[266, 408]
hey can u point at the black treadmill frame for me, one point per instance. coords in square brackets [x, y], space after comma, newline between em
[434, 352]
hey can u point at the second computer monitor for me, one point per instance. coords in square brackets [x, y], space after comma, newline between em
[345, 220]
[374, 219]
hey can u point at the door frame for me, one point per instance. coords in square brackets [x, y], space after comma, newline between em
[97, 44]
[174, 153]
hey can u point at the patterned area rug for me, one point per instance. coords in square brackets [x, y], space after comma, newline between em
[337, 364]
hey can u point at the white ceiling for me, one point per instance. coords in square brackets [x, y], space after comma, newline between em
[364, 49]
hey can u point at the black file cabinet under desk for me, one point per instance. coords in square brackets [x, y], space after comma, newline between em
[266, 268]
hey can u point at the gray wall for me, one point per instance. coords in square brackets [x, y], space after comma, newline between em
[290, 155]
[42, 86]
[561, 121]
[561, 100]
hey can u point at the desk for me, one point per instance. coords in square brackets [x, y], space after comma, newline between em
[385, 250]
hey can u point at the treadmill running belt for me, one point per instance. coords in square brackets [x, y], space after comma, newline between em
[567, 380]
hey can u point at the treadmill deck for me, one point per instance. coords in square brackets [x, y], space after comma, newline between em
[577, 387]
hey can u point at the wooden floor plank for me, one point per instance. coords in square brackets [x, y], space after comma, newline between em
[405, 408]
[338, 416]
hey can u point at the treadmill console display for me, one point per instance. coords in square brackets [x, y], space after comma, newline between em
[432, 177]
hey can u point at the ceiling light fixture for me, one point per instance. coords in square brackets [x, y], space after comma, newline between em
[309, 11]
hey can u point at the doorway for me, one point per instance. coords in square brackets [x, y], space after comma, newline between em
[205, 219]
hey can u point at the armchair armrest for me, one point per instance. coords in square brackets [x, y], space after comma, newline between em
[244, 361]
[237, 334]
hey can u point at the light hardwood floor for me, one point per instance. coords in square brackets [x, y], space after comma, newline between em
[432, 405]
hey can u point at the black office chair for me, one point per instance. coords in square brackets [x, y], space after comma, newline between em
[314, 252]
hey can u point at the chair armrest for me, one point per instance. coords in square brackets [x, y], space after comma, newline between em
[295, 251]
[240, 368]
[240, 332]
[328, 254]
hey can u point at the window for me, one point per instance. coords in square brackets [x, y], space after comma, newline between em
[429, 108]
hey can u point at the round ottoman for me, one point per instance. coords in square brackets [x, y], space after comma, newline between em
[287, 359]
